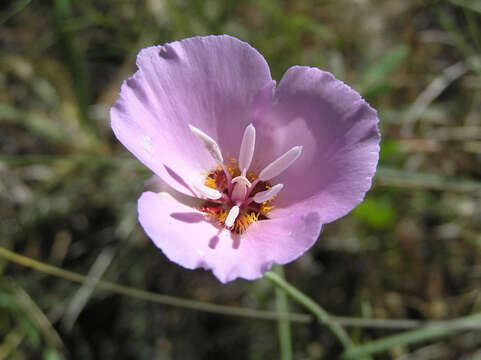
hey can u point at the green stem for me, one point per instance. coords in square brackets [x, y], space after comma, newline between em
[412, 337]
[146, 295]
[283, 324]
[321, 315]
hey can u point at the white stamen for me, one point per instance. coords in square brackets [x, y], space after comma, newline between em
[206, 191]
[262, 196]
[247, 147]
[280, 164]
[233, 214]
[209, 143]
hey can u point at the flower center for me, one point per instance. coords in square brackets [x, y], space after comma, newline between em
[249, 211]
[234, 196]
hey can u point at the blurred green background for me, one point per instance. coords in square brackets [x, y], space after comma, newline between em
[68, 189]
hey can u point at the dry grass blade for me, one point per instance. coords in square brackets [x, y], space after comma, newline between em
[84, 293]
[434, 89]
[13, 339]
[408, 179]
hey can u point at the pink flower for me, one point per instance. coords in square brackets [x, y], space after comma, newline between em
[253, 170]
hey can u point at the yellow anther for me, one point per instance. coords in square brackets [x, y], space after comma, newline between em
[210, 182]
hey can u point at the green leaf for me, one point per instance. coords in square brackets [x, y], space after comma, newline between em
[417, 336]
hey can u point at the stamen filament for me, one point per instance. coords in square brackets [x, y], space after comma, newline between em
[228, 179]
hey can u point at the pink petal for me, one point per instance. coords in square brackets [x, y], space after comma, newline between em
[209, 82]
[188, 239]
[340, 139]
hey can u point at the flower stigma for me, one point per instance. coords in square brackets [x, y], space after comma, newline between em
[234, 196]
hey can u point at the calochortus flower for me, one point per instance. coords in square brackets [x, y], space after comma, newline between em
[248, 172]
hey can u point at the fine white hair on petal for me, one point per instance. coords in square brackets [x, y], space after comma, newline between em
[262, 196]
[247, 147]
[233, 214]
[209, 143]
[147, 143]
[206, 191]
[280, 164]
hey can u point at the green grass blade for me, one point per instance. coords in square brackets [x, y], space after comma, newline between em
[283, 324]
[412, 337]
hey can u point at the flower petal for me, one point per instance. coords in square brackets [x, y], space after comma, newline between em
[209, 82]
[338, 132]
[188, 239]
